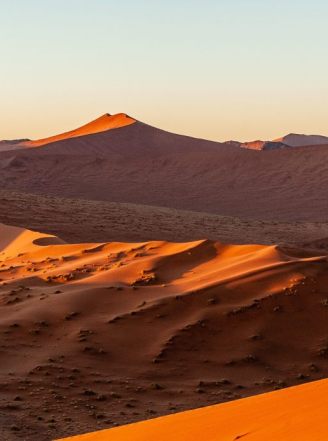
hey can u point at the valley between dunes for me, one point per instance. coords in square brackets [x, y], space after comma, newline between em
[102, 334]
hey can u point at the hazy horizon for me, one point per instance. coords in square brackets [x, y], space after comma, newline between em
[222, 70]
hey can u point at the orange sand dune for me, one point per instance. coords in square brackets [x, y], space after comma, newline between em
[15, 240]
[255, 145]
[101, 334]
[101, 124]
[294, 414]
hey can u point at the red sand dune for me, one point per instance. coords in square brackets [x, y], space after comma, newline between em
[255, 145]
[100, 334]
[294, 414]
[143, 165]
[101, 124]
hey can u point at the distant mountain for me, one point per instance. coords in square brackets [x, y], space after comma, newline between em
[296, 140]
[291, 140]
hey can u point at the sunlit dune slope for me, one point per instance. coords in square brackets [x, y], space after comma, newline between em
[294, 414]
[15, 240]
[101, 124]
[151, 328]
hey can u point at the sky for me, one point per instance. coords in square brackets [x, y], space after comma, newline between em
[215, 69]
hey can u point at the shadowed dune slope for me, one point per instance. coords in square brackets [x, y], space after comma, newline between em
[144, 165]
[109, 333]
[298, 140]
[294, 414]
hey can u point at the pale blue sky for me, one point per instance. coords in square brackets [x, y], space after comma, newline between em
[216, 69]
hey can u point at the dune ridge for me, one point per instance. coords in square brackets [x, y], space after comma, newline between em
[294, 414]
[101, 124]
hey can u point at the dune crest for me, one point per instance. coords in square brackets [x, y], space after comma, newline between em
[294, 414]
[15, 240]
[101, 124]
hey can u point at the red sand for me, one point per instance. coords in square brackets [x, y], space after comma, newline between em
[294, 414]
[97, 334]
[101, 124]
[143, 165]
[101, 334]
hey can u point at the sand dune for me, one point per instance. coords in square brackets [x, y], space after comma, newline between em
[109, 221]
[98, 334]
[143, 165]
[294, 414]
[264, 145]
[101, 124]
[130, 313]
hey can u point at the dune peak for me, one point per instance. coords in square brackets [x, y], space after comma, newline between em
[101, 124]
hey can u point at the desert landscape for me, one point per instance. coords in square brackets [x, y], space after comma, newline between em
[125, 297]
[163, 220]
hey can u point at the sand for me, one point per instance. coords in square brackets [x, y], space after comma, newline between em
[100, 334]
[103, 123]
[143, 165]
[110, 221]
[294, 414]
[171, 273]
